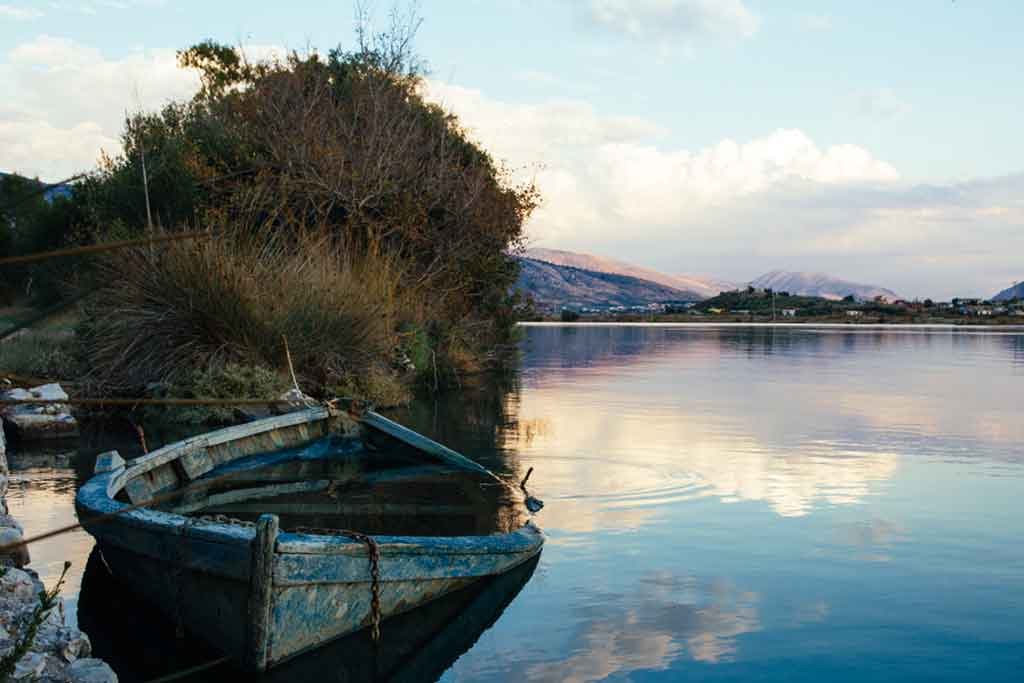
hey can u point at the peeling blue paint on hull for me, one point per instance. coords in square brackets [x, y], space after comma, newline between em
[261, 596]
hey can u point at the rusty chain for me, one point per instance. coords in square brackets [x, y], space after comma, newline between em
[373, 554]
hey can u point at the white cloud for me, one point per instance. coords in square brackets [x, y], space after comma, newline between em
[52, 153]
[19, 13]
[610, 184]
[597, 172]
[739, 208]
[673, 19]
[66, 101]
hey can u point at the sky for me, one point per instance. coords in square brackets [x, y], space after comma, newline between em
[878, 142]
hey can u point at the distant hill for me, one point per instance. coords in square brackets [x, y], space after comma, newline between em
[699, 287]
[563, 286]
[820, 284]
[1010, 293]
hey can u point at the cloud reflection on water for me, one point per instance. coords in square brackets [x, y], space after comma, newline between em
[667, 617]
[794, 418]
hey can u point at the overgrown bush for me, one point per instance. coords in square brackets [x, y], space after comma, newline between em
[163, 314]
[347, 207]
[344, 143]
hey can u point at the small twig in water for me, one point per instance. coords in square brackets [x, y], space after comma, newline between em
[522, 484]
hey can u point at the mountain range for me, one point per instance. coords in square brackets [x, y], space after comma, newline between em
[820, 284]
[1010, 293]
[698, 286]
[564, 278]
[554, 285]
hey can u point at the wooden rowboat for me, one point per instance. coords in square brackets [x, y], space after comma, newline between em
[419, 645]
[262, 592]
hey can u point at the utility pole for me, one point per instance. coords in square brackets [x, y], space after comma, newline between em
[773, 304]
[145, 182]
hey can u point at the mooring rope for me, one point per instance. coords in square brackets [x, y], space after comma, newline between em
[106, 246]
[131, 402]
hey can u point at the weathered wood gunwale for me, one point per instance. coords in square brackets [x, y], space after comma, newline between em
[303, 589]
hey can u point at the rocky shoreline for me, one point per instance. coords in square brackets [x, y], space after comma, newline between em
[59, 652]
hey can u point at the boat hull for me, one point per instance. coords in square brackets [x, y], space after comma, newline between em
[215, 605]
[257, 595]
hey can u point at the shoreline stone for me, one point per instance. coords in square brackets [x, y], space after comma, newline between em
[40, 422]
[60, 653]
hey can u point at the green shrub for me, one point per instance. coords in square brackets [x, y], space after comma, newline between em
[229, 381]
[379, 385]
[43, 355]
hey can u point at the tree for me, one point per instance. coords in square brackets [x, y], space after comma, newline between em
[344, 145]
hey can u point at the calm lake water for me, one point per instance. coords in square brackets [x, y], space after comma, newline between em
[722, 503]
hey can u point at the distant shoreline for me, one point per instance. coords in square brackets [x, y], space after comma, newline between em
[1016, 327]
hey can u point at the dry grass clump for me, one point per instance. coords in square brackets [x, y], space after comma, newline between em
[162, 314]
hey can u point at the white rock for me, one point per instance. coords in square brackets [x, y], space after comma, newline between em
[50, 392]
[295, 400]
[21, 585]
[37, 426]
[29, 667]
[19, 557]
[75, 646]
[15, 395]
[45, 421]
[90, 671]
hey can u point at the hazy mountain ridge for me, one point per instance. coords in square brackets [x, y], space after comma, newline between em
[820, 284]
[1010, 293]
[34, 184]
[703, 287]
[564, 286]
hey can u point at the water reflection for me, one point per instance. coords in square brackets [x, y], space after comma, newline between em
[738, 503]
[873, 538]
[665, 617]
[43, 482]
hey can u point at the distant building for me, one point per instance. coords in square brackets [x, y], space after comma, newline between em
[788, 312]
[855, 314]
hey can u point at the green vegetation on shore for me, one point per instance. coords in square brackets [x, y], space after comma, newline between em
[348, 216]
[763, 305]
